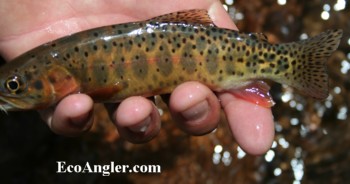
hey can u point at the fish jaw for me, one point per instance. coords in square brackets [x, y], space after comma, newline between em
[4, 106]
[13, 104]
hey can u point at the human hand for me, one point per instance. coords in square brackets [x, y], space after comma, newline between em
[194, 106]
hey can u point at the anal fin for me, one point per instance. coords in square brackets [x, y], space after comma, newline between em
[255, 92]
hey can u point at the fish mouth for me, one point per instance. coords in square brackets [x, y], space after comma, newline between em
[7, 106]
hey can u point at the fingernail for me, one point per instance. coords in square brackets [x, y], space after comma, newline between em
[141, 127]
[196, 112]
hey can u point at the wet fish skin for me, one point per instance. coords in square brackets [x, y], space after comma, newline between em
[154, 56]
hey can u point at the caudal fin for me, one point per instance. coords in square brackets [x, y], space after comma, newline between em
[309, 73]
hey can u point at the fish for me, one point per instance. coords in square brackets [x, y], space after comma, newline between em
[153, 56]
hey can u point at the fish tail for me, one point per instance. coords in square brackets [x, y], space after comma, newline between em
[308, 73]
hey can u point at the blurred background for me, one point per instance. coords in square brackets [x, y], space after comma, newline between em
[312, 139]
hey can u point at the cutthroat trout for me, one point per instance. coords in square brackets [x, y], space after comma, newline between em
[152, 57]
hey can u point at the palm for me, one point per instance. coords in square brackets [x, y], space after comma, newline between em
[38, 22]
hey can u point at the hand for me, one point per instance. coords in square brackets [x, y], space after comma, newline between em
[194, 106]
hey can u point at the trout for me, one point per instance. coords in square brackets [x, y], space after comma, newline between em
[152, 57]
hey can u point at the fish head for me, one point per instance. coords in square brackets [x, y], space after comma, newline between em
[23, 87]
[12, 89]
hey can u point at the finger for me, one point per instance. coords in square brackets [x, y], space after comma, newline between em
[252, 125]
[137, 119]
[71, 117]
[220, 17]
[195, 108]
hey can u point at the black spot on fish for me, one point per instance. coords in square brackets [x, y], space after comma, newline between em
[233, 45]
[286, 66]
[153, 35]
[38, 85]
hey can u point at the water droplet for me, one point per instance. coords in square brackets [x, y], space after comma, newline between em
[326, 7]
[282, 2]
[277, 171]
[54, 54]
[337, 90]
[342, 114]
[294, 121]
[345, 66]
[340, 5]
[269, 155]
[229, 2]
[283, 143]
[325, 15]
[240, 153]
[218, 149]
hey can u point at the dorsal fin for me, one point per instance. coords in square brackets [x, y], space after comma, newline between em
[195, 16]
[258, 36]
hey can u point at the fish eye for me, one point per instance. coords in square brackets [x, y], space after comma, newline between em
[14, 84]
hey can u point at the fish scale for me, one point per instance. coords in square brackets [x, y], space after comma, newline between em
[152, 57]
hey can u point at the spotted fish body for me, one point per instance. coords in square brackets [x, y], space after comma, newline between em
[154, 56]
